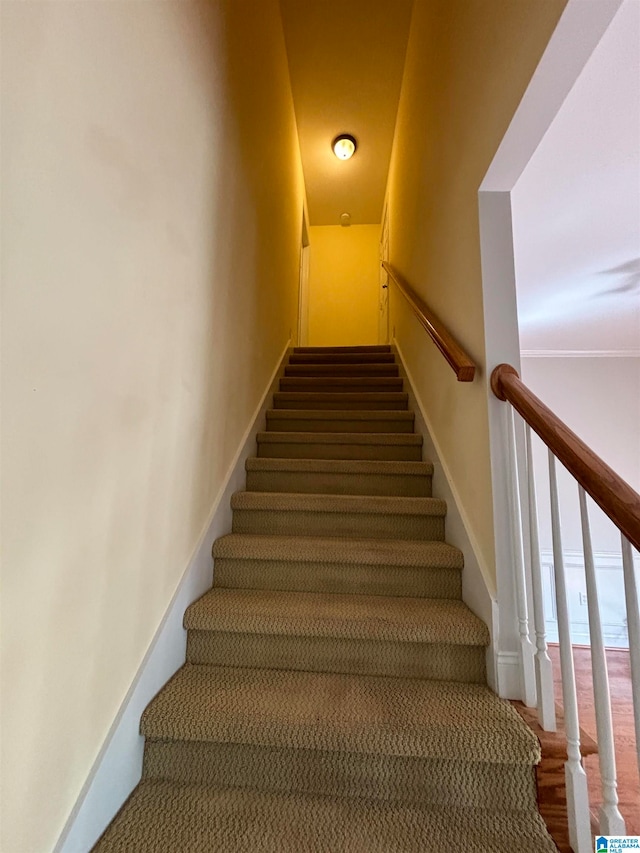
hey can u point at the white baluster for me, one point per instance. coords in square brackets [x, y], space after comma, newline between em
[611, 821]
[526, 646]
[633, 626]
[544, 667]
[575, 777]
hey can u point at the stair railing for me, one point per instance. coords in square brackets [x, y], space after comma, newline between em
[621, 504]
[456, 357]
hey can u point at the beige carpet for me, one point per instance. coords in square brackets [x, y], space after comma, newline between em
[334, 694]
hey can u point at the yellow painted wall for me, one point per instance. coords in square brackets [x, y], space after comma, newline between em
[343, 285]
[468, 65]
[151, 205]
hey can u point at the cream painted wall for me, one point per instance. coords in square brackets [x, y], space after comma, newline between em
[343, 285]
[599, 399]
[152, 201]
[468, 65]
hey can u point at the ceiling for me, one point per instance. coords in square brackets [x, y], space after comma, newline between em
[576, 210]
[346, 61]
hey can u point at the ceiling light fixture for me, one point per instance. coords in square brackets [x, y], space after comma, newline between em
[344, 146]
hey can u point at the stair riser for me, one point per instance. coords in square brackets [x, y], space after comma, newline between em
[314, 370]
[441, 662]
[276, 423]
[355, 349]
[436, 782]
[319, 523]
[342, 358]
[349, 385]
[322, 483]
[346, 402]
[337, 578]
[308, 450]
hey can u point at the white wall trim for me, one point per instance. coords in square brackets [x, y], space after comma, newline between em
[605, 560]
[118, 766]
[610, 578]
[478, 590]
[579, 353]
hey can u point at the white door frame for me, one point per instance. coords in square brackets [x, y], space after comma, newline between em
[383, 293]
[302, 336]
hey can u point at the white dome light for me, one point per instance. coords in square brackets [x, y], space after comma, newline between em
[344, 146]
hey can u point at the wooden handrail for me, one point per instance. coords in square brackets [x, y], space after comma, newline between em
[456, 357]
[614, 496]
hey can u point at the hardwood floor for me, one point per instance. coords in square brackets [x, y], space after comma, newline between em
[552, 799]
[551, 790]
[622, 712]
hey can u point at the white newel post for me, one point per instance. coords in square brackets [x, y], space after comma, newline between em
[633, 626]
[544, 667]
[526, 646]
[575, 776]
[611, 821]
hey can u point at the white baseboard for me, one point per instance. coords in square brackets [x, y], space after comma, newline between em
[118, 767]
[509, 675]
[477, 591]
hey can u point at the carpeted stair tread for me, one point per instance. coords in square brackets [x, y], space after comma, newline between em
[327, 384]
[427, 569]
[339, 712]
[409, 439]
[341, 466]
[349, 551]
[358, 617]
[340, 370]
[342, 358]
[166, 817]
[336, 476]
[339, 504]
[355, 349]
[340, 420]
[341, 414]
[357, 775]
[341, 445]
[319, 514]
[372, 400]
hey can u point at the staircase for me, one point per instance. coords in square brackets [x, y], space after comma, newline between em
[334, 695]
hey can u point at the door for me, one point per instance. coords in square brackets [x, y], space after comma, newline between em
[303, 292]
[383, 295]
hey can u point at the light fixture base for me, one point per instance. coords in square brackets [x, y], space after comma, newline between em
[344, 146]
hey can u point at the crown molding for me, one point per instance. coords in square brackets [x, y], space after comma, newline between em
[579, 353]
